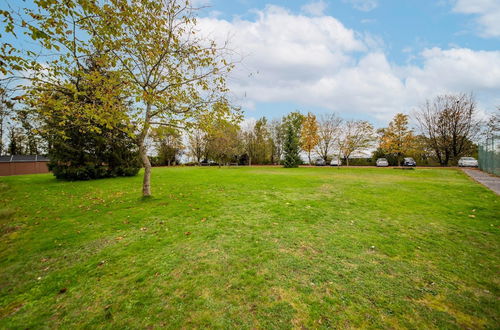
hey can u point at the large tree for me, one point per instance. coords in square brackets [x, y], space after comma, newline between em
[309, 135]
[329, 134]
[291, 147]
[357, 135]
[262, 143]
[247, 136]
[82, 145]
[397, 139]
[169, 145]
[277, 136]
[223, 143]
[196, 144]
[173, 73]
[450, 124]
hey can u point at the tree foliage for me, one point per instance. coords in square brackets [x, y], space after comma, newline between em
[172, 73]
[450, 124]
[397, 139]
[82, 144]
[357, 135]
[328, 134]
[309, 137]
[169, 146]
[223, 144]
[291, 146]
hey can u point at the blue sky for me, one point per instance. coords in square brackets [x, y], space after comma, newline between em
[363, 59]
[359, 58]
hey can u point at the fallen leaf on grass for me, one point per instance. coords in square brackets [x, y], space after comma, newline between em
[63, 290]
[472, 216]
[204, 219]
[187, 233]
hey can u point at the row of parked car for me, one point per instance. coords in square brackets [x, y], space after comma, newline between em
[407, 161]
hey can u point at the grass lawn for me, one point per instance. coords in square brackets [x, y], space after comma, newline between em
[252, 247]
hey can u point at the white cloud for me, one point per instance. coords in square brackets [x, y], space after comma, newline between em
[318, 62]
[316, 8]
[363, 5]
[488, 14]
[200, 3]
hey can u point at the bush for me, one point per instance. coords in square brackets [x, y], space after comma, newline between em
[109, 153]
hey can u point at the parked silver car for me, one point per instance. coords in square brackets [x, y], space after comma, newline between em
[336, 162]
[408, 161]
[320, 162]
[382, 162]
[467, 162]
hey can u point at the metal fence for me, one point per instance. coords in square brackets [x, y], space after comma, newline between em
[489, 155]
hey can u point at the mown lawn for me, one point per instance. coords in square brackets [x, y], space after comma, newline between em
[251, 248]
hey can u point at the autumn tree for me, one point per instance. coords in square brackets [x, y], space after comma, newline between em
[196, 144]
[357, 135]
[262, 143]
[328, 134]
[450, 124]
[82, 144]
[169, 145]
[309, 134]
[173, 73]
[397, 139]
[223, 144]
[247, 136]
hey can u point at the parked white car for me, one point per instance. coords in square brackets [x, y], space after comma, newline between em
[336, 162]
[382, 162]
[467, 162]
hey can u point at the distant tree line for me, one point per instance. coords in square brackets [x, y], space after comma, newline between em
[447, 129]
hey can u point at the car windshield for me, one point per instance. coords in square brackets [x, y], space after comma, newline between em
[409, 159]
[468, 158]
[382, 160]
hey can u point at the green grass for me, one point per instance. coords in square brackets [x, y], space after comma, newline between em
[251, 248]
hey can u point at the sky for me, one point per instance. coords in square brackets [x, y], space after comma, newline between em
[362, 59]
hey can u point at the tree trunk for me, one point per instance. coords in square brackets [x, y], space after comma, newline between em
[309, 156]
[146, 183]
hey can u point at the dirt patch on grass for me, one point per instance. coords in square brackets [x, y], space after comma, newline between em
[439, 303]
[10, 309]
[6, 213]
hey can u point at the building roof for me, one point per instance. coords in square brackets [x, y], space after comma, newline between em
[23, 158]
